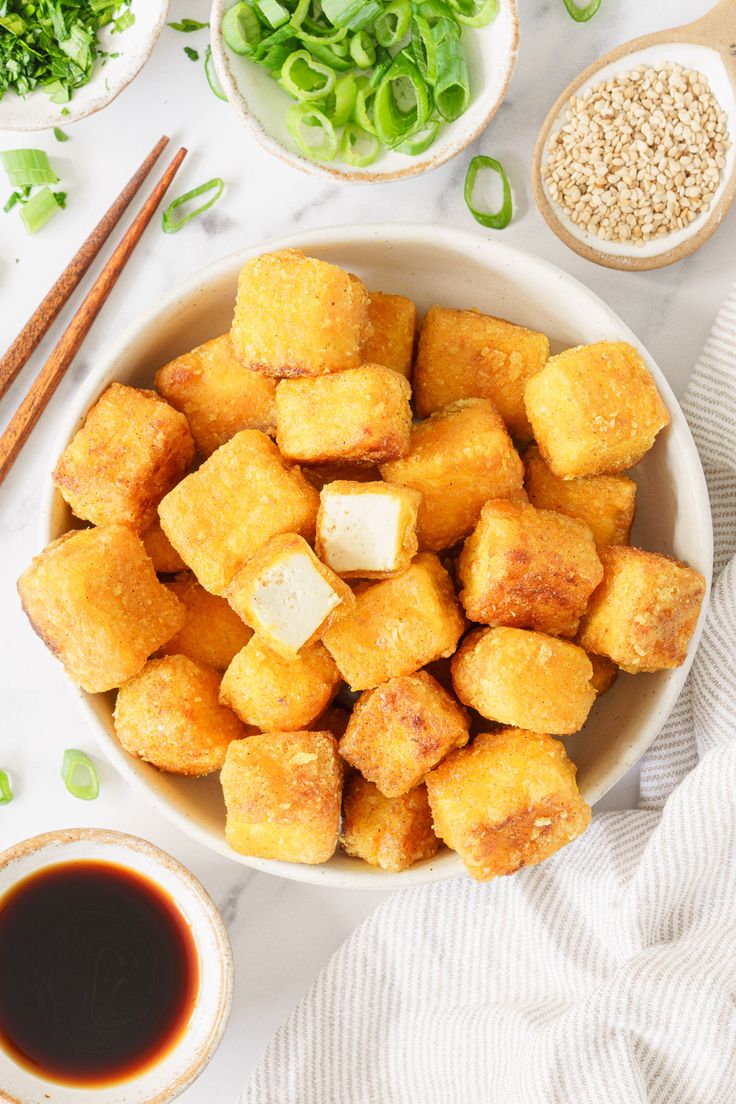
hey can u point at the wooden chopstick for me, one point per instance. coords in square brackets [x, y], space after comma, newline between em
[38, 324]
[48, 379]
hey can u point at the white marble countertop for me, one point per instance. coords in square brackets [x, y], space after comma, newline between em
[282, 932]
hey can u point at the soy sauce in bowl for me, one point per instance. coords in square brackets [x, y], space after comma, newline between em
[98, 973]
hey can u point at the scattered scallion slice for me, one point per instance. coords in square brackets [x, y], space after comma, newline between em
[495, 220]
[209, 72]
[312, 132]
[273, 12]
[402, 104]
[452, 84]
[362, 50]
[171, 223]
[340, 104]
[422, 140]
[191, 53]
[358, 147]
[41, 207]
[475, 13]
[6, 790]
[79, 775]
[582, 14]
[28, 167]
[305, 78]
[127, 19]
[241, 29]
[187, 25]
[59, 135]
[13, 198]
[392, 24]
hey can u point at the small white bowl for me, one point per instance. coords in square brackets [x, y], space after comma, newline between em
[179, 1067]
[261, 104]
[134, 45]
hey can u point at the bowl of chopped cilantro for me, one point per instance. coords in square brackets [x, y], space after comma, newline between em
[61, 60]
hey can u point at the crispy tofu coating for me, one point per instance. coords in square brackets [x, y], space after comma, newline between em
[509, 800]
[217, 394]
[391, 332]
[282, 794]
[604, 673]
[287, 595]
[464, 354]
[528, 568]
[644, 613]
[606, 503]
[164, 556]
[524, 678]
[594, 410]
[94, 599]
[457, 459]
[169, 715]
[212, 633]
[244, 494]
[389, 832]
[398, 625]
[268, 690]
[131, 450]
[319, 475]
[367, 530]
[297, 316]
[361, 416]
[402, 729]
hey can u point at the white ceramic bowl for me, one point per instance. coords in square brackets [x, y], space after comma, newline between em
[134, 46]
[261, 104]
[178, 1068]
[432, 265]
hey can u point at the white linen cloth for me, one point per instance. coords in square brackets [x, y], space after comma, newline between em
[607, 975]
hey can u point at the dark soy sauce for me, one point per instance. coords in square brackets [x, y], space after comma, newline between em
[98, 973]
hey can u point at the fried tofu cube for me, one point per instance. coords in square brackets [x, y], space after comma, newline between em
[297, 316]
[218, 395]
[606, 503]
[464, 354]
[268, 690]
[164, 556]
[282, 794]
[319, 475]
[361, 416]
[509, 800]
[604, 673]
[391, 332]
[220, 515]
[169, 715]
[212, 633]
[287, 595]
[528, 568]
[594, 410]
[398, 625]
[644, 612]
[389, 832]
[457, 459]
[524, 678]
[131, 450]
[402, 729]
[94, 599]
[367, 530]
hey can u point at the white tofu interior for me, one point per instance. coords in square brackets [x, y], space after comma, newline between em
[360, 532]
[292, 599]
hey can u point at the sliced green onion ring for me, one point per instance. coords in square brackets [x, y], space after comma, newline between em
[301, 115]
[395, 121]
[452, 86]
[363, 113]
[393, 23]
[340, 105]
[241, 29]
[353, 14]
[582, 15]
[41, 207]
[275, 14]
[28, 167]
[476, 13]
[171, 224]
[304, 78]
[362, 50]
[6, 790]
[209, 72]
[493, 220]
[311, 31]
[421, 140]
[79, 774]
[424, 47]
[328, 57]
[358, 147]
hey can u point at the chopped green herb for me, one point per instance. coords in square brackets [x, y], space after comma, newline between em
[37, 211]
[582, 14]
[13, 198]
[79, 774]
[127, 19]
[60, 198]
[187, 25]
[28, 167]
[59, 135]
[6, 790]
[191, 53]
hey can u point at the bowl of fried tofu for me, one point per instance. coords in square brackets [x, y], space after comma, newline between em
[375, 555]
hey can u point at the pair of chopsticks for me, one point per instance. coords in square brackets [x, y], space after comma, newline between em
[50, 376]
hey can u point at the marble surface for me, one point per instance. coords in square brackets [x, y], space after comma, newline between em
[282, 932]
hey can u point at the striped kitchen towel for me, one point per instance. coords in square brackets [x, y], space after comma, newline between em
[605, 976]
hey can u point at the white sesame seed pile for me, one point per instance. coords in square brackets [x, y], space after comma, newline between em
[640, 155]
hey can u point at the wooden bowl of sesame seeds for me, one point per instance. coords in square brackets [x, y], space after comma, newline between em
[635, 165]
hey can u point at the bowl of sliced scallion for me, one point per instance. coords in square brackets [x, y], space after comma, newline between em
[61, 60]
[364, 90]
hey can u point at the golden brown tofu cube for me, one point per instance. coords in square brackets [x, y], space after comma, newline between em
[287, 595]
[131, 450]
[389, 832]
[218, 395]
[402, 729]
[212, 633]
[528, 568]
[644, 612]
[594, 410]
[268, 690]
[509, 800]
[94, 599]
[457, 459]
[164, 556]
[606, 503]
[524, 678]
[361, 416]
[398, 625]
[604, 673]
[297, 316]
[169, 715]
[242, 496]
[464, 354]
[282, 794]
[391, 332]
[367, 530]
